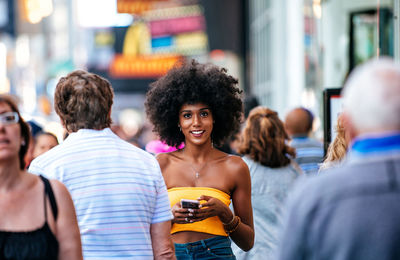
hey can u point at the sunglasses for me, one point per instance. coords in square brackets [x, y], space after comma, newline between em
[9, 118]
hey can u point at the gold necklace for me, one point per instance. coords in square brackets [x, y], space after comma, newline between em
[197, 172]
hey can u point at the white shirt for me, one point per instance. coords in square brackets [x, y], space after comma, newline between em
[117, 189]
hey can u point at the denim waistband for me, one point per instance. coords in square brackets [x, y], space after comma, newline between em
[203, 244]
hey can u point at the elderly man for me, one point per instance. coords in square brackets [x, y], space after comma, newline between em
[309, 151]
[119, 193]
[352, 212]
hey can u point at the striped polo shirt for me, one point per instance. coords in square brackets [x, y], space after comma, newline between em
[309, 153]
[117, 189]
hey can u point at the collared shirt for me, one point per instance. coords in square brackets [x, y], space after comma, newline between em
[374, 146]
[350, 212]
[309, 153]
[117, 189]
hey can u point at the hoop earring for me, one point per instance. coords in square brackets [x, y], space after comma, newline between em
[180, 129]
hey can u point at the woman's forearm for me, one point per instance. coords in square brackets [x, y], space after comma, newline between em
[243, 236]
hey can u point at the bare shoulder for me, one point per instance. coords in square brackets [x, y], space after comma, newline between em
[235, 167]
[61, 192]
[165, 158]
[236, 163]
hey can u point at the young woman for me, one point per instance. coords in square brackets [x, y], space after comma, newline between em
[199, 105]
[266, 153]
[37, 216]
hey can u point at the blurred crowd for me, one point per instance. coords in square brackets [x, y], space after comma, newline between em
[212, 175]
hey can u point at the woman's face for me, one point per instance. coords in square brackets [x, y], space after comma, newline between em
[10, 133]
[43, 144]
[196, 122]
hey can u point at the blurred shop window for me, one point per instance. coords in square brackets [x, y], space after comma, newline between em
[3, 13]
[371, 35]
[34, 11]
[105, 14]
[4, 81]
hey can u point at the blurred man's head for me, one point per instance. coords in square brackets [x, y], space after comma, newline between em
[299, 121]
[83, 100]
[371, 98]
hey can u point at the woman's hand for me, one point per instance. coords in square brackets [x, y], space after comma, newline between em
[211, 208]
[182, 215]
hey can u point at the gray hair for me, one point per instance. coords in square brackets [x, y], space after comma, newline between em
[371, 96]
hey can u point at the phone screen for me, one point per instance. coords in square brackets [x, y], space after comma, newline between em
[192, 204]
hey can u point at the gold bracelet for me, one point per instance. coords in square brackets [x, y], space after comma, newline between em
[233, 230]
[230, 222]
[233, 226]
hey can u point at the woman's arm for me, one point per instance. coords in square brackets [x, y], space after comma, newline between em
[67, 230]
[243, 235]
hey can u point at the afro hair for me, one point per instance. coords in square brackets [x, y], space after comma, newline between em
[191, 83]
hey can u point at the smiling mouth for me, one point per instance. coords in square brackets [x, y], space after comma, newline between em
[198, 133]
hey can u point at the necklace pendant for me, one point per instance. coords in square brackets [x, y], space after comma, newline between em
[197, 175]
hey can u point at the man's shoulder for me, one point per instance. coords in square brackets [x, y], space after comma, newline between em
[306, 142]
[53, 155]
[339, 182]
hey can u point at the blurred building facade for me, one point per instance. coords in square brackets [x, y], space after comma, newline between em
[298, 48]
[283, 52]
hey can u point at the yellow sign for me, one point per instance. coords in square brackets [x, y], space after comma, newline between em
[142, 66]
[135, 6]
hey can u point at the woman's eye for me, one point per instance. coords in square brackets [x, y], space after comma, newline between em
[204, 114]
[187, 115]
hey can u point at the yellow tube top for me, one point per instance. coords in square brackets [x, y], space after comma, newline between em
[211, 225]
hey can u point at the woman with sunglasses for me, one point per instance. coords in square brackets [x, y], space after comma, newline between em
[37, 216]
[199, 105]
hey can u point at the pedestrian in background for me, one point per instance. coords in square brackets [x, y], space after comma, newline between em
[309, 151]
[43, 142]
[118, 190]
[352, 211]
[337, 149]
[272, 170]
[200, 105]
[37, 215]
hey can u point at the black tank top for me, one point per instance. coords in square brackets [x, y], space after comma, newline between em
[33, 245]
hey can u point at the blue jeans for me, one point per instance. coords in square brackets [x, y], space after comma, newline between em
[212, 248]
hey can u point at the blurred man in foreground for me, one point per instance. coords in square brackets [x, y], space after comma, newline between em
[352, 211]
[119, 193]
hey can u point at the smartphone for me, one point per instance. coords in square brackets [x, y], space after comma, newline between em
[190, 204]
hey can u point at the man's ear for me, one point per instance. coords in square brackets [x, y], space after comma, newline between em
[349, 127]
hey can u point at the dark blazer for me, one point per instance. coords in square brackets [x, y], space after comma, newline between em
[351, 212]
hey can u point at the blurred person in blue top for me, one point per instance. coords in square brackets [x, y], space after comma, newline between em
[263, 144]
[352, 211]
[309, 151]
[119, 193]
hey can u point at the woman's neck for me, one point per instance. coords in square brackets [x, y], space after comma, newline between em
[10, 175]
[198, 153]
